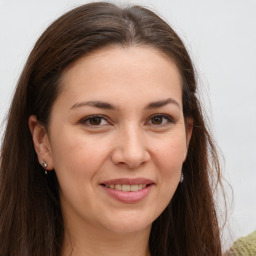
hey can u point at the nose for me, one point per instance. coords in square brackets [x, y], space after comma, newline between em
[130, 149]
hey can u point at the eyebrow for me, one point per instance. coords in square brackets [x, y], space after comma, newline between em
[162, 103]
[106, 105]
[97, 104]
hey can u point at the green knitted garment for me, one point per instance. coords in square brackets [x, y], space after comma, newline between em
[245, 246]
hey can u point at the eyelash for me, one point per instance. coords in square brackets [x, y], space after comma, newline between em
[90, 118]
[100, 118]
[168, 119]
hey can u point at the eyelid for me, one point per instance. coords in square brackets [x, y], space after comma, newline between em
[87, 118]
[169, 119]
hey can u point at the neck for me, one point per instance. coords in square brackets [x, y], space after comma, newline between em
[87, 241]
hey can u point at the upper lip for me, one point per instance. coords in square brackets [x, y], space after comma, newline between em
[128, 181]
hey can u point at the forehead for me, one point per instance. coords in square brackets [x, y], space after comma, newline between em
[118, 70]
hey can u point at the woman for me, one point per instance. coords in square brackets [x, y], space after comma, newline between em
[106, 151]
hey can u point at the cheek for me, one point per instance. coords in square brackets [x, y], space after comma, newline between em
[77, 160]
[76, 151]
[171, 153]
[170, 157]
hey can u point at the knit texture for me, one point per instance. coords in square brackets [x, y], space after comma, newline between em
[245, 246]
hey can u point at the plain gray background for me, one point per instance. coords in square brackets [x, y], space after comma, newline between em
[221, 38]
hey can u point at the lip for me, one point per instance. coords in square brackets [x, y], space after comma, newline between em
[131, 196]
[128, 181]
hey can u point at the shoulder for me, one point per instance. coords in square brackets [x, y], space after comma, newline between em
[245, 245]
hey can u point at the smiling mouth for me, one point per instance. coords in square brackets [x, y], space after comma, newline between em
[127, 190]
[127, 187]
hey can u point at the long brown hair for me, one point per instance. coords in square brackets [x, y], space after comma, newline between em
[30, 214]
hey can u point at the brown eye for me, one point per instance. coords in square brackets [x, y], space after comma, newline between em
[157, 120]
[160, 120]
[95, 120]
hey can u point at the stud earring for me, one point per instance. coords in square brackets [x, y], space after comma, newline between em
[181, 177]
[44, 164]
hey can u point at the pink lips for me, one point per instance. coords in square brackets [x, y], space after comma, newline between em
[128, 196]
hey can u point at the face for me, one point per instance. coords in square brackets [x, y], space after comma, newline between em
[116, 139]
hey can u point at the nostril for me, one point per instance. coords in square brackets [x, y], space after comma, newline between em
[131, 154]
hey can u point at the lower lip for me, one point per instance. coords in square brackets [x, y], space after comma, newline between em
[128, 197]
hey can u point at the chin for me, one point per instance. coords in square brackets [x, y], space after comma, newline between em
[129, 224]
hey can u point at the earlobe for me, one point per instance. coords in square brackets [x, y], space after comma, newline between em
[40, 141]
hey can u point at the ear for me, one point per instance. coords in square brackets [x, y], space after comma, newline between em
[189, 130]
[41, 142]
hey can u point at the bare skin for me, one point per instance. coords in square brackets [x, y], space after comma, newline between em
[118, 121]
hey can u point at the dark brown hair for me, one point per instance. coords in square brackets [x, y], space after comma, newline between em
[31, 222]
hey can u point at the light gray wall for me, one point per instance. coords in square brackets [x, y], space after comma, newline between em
[221, 37]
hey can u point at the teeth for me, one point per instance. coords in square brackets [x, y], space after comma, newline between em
[118, 187]
[126, 187]
[134, 187]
